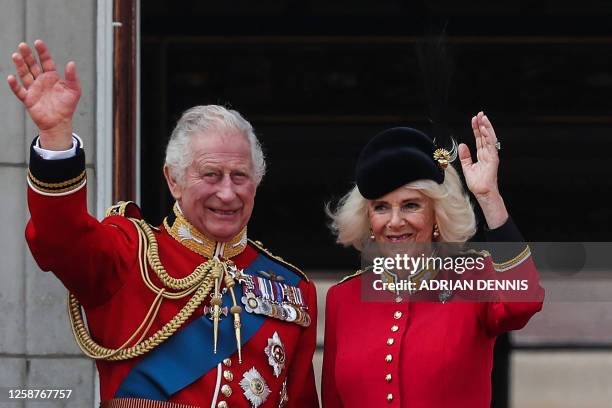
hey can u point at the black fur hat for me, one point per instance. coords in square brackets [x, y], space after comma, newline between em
[396, 157]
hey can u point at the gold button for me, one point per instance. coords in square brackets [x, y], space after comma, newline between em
[389, 358]
[398, 299]
[394, 328]
[397, 315]
[222, 404]
[227, 374]
[227, 362]
[226, 390]
[389, 397]
[388, 378]
[390, 341]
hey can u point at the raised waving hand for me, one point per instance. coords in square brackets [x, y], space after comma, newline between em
[481, 176]
[49, 99]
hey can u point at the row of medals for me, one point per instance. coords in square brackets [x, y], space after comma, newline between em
[289, 312]
[254, 386]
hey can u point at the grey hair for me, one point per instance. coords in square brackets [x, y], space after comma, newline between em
[453, 212]
[199, 120]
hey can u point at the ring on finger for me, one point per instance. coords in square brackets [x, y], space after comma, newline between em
[498, 145]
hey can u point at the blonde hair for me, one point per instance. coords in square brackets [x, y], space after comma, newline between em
[453, 212]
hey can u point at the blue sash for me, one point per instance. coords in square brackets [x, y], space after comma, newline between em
[188, 354]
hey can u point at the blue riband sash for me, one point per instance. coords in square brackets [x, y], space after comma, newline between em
[188, 354]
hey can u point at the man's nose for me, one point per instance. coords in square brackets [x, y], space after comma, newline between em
[226, 192]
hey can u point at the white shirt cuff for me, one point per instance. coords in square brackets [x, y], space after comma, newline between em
[58, 154]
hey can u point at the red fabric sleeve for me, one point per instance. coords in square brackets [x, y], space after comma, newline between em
[329, 393]
[512, 309]
[89, 257]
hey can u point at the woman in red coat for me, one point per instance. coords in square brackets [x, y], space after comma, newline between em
[422, 354]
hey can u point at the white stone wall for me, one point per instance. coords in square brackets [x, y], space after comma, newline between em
[36, 347]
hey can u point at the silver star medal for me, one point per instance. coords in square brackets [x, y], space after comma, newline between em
[251, 303]
[255, 388]
[276, 354]
[236, 274]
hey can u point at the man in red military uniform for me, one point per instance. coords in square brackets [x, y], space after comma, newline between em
[188, 314]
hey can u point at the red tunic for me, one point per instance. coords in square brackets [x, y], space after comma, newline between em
[416, 354]
[97, 262]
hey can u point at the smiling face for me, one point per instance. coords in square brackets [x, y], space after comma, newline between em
[218, 192]
[404, 215]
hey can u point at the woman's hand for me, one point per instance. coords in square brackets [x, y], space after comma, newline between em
[50, 100]
[481, 177]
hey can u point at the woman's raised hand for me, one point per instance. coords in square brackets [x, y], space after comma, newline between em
[481, 176]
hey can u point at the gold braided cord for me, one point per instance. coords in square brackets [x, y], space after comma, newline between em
[58, 191]
[118, 209]
[98, 352]
[359, 272]
[514, 261]
[147, 248]
[143, 249]
[56, 185]
[157, 304]
[154, 308]
[187, 282]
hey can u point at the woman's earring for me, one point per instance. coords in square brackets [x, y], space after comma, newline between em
[436, 231]
[372, 237]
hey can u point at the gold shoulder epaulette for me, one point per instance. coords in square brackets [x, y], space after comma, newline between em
[511, 263]
[475, 252]
[259, 246]
[354, 275]
[124, 209]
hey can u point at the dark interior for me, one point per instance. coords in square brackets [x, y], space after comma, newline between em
[318, 78]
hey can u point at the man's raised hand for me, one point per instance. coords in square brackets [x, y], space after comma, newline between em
[50, 100]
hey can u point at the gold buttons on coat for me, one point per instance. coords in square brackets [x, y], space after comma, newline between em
[394, 328]
[388, 358]
[389, 397]
[388, 378]
[222, 404]
[390, 341]
[397, 315]
[227, 374]
[226, 390]
[227, 362]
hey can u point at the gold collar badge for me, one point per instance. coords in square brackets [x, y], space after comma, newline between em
[185, 233]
